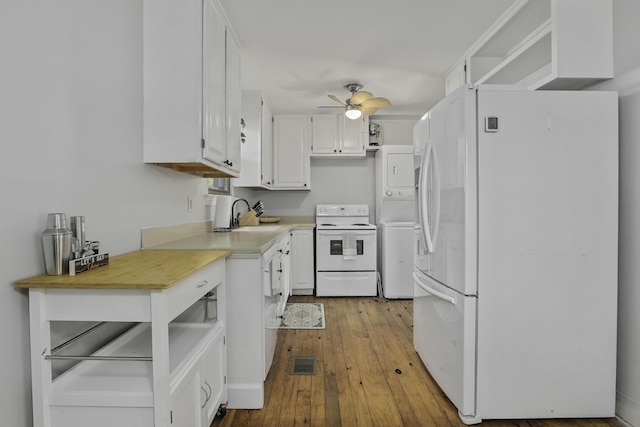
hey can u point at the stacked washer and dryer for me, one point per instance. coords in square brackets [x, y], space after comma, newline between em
[395, 194]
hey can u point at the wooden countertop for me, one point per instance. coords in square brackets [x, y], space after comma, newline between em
[145, 269]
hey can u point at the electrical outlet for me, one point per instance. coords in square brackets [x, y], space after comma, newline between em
[189, 204]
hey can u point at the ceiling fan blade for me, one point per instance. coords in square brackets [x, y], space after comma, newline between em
[367, 111]
[377, 103]
[360, 96]
[338, 100]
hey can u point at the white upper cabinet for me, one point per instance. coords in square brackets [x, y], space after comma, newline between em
[291, 157]
[324, 134]
[334, 135]
[233, 104]
[256, 150]
[191, 88]
[267, 146]
[353, 135]
[542, 44]
[213, 85]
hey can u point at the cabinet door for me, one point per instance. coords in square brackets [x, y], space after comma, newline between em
[352, 139]
[186, 401]
[267, 146]
[324, 134]
[276, 276]
[233, 104]
[291, 159]
[286, 268]
[302, 268]
[213, 370]
[213, 85]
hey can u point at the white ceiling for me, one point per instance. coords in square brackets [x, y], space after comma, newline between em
[299, 51]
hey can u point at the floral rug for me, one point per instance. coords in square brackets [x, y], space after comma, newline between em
[303, 316]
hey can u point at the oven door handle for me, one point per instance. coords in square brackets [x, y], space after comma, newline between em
[359, 233]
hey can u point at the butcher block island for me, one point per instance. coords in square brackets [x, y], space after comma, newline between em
[168, 369]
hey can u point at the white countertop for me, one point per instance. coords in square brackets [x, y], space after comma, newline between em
[243, 240]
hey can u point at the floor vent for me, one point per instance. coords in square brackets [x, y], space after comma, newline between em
[303, 365]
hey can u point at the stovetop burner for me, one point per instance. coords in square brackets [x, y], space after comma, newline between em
[343, 217]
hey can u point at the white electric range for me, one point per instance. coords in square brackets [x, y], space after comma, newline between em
[345, 251]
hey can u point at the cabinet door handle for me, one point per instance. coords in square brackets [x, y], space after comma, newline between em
[206, 398]
[207, 394]
[202, 284]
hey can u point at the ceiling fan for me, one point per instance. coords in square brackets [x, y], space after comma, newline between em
[360, 102]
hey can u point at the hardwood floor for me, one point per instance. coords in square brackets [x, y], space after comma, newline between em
[368, 374]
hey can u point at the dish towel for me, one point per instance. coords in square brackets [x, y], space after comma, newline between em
[349, 246]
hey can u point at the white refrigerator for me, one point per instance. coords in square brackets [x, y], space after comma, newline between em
[515, 251]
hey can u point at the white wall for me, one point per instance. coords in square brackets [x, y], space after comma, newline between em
[332, 181]
[628, 385]
[627, 82]
[71, 141]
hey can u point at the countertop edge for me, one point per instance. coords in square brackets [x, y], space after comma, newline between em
[115, 276]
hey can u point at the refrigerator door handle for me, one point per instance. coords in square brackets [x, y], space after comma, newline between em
[436, 179]
[422, 199]
[435, 293]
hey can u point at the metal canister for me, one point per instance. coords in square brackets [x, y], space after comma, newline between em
[79, 235]
[56, 245]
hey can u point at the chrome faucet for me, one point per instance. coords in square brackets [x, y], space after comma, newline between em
[234, 221]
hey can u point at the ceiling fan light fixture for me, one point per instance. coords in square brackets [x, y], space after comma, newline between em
[353, 112]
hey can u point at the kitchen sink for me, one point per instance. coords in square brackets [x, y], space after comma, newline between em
[258, 228]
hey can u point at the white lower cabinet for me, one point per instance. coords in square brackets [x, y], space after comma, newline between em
[213, 371]
[302, 259]
[185, 401]
[257, 294]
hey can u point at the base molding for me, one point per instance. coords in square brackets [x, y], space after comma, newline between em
[245, 396]
[627, 410]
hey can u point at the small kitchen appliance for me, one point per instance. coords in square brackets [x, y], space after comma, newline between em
[222, 217]
[345, 251]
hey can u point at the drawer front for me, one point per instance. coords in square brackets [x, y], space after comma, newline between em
[184, 294]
